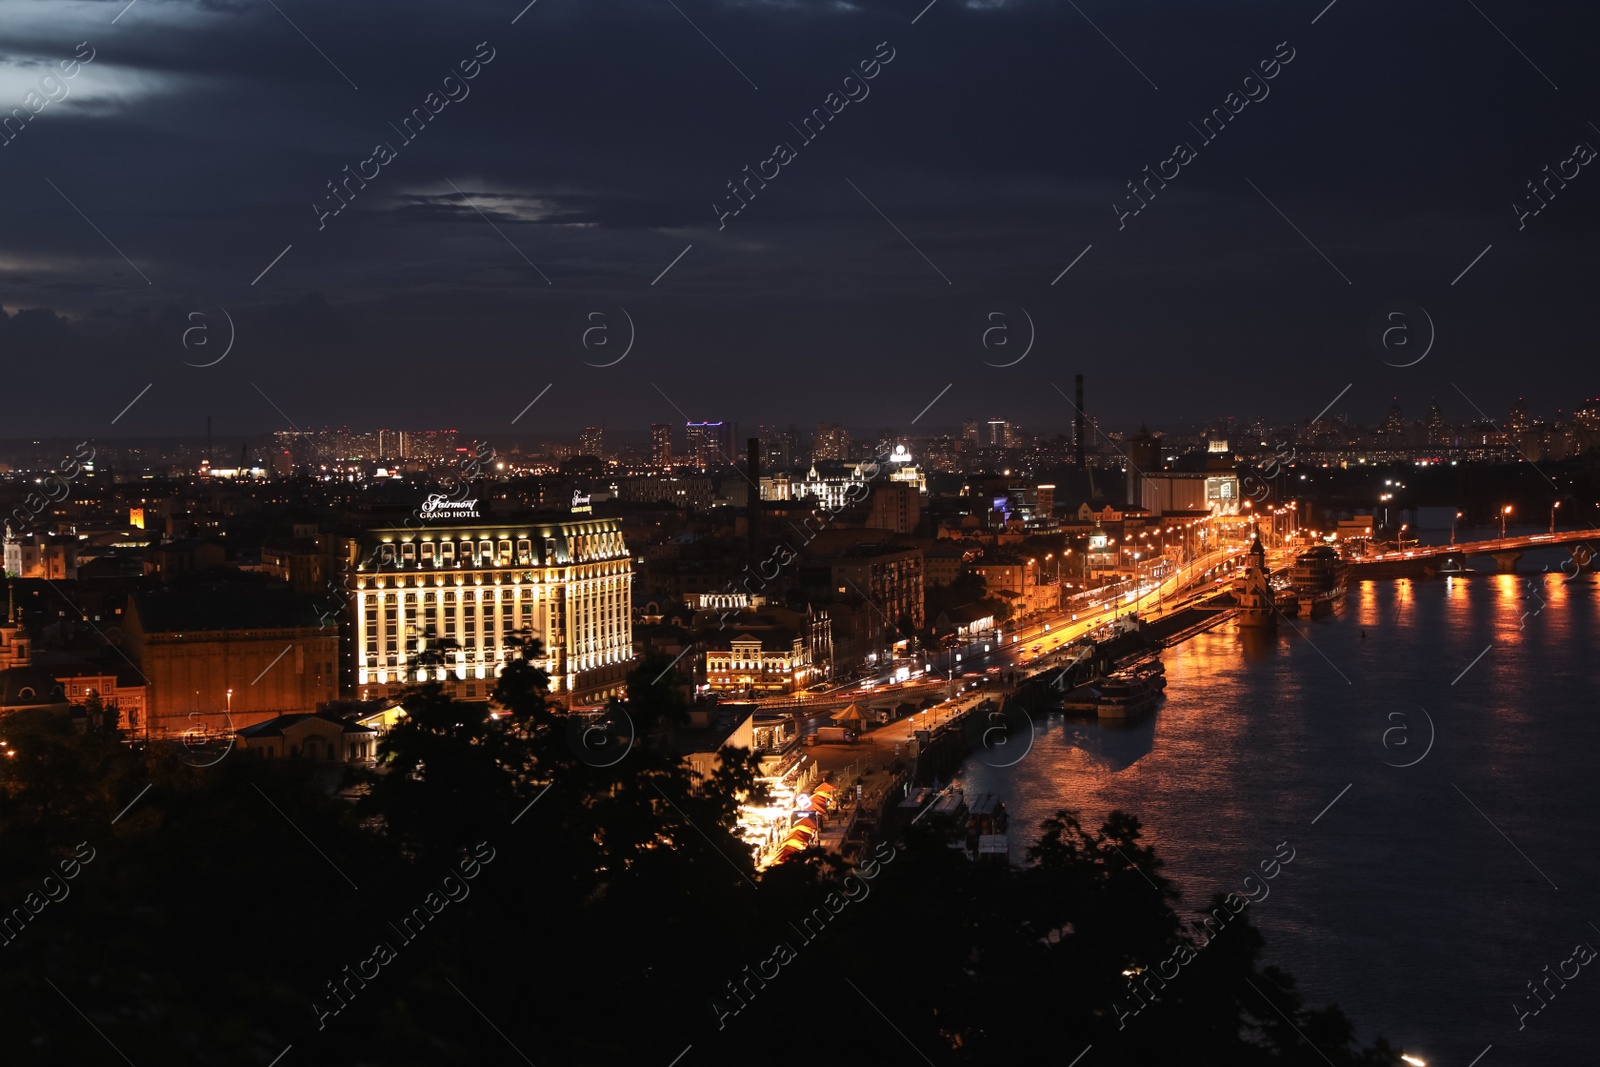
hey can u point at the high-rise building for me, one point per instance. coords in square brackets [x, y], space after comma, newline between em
[1144, 458]
[997, 433]
[710, 444]
[1438, 432]
[1588, 416]
[1518, 419]
[833, 442]
[969, 432]
[661, 444]
[1045, 506]
[1396, 421]
[592, 442]
[794, 446]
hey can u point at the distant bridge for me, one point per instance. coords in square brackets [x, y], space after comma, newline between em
[1505, 550]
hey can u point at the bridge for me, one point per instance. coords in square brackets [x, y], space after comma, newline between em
[1428, 559]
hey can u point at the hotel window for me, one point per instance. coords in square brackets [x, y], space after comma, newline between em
[505, 552]
[524, 550]
[427, 550]
[386, 553]
[408, 551]
[485, 551]
[447, 550]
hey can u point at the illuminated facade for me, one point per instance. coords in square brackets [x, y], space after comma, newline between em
[445, 602]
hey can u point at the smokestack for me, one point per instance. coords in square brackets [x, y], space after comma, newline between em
[753, 510]
[1078, 434]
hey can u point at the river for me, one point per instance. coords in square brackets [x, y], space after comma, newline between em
[1423, 898]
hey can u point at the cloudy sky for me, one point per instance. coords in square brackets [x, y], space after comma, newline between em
[592, 152]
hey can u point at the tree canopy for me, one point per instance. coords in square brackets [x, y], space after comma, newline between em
[512, 877]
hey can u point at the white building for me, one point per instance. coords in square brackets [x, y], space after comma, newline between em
[444, 603]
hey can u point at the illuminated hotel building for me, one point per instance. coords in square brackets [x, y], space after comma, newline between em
[566, 582]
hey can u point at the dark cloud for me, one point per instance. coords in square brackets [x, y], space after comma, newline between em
[601, 135]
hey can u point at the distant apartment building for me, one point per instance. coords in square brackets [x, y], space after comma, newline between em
[1518, 418]
[693, 492]
[592, 442]
[709, 444]
[661, 444]
[832, 443]
[177, 559]
[1007, 574]
[895, 506]
[301, 562]
[888, 576]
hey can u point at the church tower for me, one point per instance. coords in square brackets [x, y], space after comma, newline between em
[14, 644]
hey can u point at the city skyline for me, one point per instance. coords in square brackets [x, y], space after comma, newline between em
[521, 516]
[1463, 413]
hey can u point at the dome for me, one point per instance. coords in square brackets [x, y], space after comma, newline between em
[29, 687]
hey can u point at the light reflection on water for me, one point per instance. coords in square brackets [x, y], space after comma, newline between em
[1402, 904]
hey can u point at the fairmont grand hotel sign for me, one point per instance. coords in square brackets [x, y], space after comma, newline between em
[439, 506]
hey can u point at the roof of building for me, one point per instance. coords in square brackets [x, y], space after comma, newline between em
[275, 727]
[29, 687]
[772, 638]
[222, 606]
[964, 614]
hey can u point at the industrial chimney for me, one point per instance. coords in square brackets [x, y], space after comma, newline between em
[753, 498]
[1078, 434]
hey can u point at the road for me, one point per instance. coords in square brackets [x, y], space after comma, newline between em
[1036, 646]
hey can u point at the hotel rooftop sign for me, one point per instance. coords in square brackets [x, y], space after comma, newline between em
[439, 506]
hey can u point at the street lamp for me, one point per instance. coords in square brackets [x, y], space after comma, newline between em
[1553, 507]
[230, 705]
[1503, 513]
[1453, 527]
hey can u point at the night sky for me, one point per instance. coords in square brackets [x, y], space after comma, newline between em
[597, 142]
